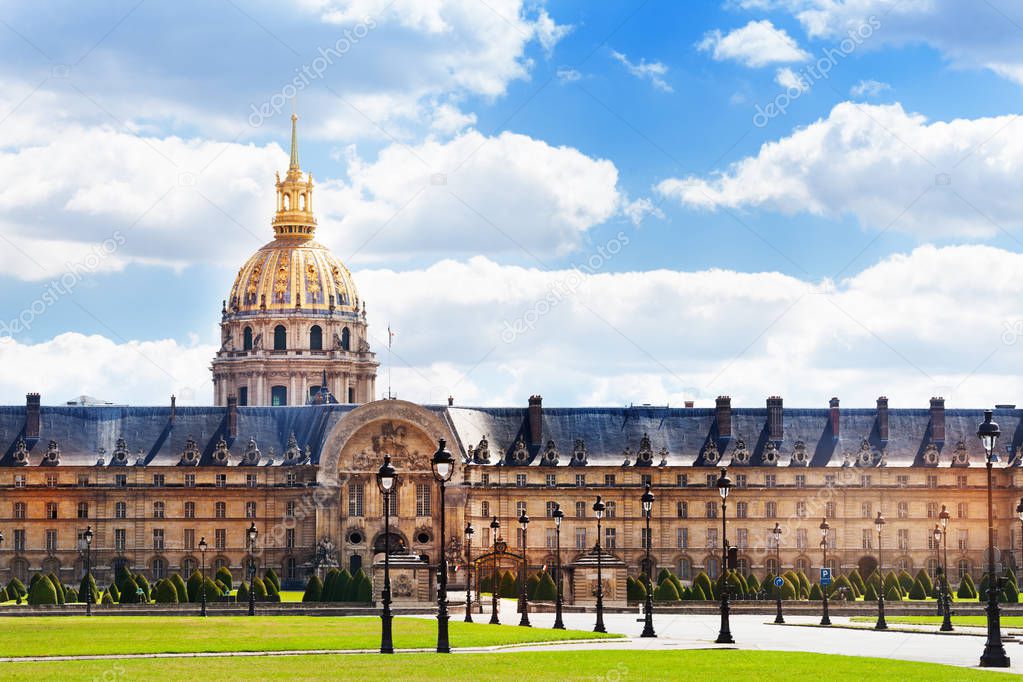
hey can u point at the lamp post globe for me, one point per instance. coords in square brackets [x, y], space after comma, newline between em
[558, 515]
[647, 502]
[88, 570]
[724, 485]
[495, 582]
[994, 653]
[523, 598]
[252, 534]
[443, 464]
[598, 511]
[776, 533]
[469, 531]
[202, 590]
[881, 624]
[386, 477]
[825, 617]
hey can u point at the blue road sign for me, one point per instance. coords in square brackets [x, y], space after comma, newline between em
[825, 577]
[779, 581]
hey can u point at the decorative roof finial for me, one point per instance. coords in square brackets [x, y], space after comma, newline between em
[294, 142]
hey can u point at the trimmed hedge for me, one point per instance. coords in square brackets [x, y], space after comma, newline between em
[547, 589]
[89, 581]
[925, 582]
[42, 592]
[243, 592]
[966, 589]
[815, 593]
[918, 591]
[15, 589]
[313, 589]
[635, 590]
[223, 574]
[166, 592]
[180, 587]
[509, 586]
[666, 592]
[194, 581]
[531, 583]
[271, 576]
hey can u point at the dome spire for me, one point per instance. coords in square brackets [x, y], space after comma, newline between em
[294, 143]
[294, 218]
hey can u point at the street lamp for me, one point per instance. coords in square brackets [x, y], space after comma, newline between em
[495, 526]
[936, 534]
[88, 570]
[385, 481]
[943, 517]
[825, 619]
[1019, 513]
[598, 511]
[994, 653]
[881, 624]
[724, 486]
[558, 515]
[778, 618]
[523, 601]
[202, 590]
[469, 530]
[252, 534]
[443, 466]
[647, 501]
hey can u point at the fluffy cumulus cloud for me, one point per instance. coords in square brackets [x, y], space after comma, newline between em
[644, 70]
[488, 333]
[887, 167]
[758, 43]
[869, 88]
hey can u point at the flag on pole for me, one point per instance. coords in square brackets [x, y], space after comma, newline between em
[390, 335]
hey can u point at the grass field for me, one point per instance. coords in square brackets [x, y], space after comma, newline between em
[605, 665]
[79, 635]
[1007, 621]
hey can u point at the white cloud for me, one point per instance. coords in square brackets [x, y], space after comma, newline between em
[869, 88]
[448, 119]
[886, 167]
[566, 74]
[908, 327]
[637, 211]
[651, 71]
[789, 79]
[758, 43]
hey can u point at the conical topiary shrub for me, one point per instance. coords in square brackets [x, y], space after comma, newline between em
[313, 589]
[871, 593]
[210, 588]
[141, 581]
[966, 590]
[547, 590]
[223, 574]
[857, 581]
[925, 582]
[42, 593]
[697, 593]
[242, 595]
[663, 575]
[703, 580]
[166, 593]
[509, 586]
[179, 585]
[753, 584]
[905, 581]
[271, 575]
[531, 582]
[666, 592]
[129, 591]
[114, 593]
[788, 590]
[88, 582]
[329, 582]
[815, 593]
[107, 599]
[194, 581]
[354, 588]
[342, 588]
[15, 589]
[893, 594]
[917, 591]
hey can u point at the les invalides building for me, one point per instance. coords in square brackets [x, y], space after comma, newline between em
[297, 434]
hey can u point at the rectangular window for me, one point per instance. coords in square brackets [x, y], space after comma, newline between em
[83, 510]
[902, 481]
[158, 510]
[580, 538]
[801, 508]
[681, 480]
[742, 538]
[866, 510]
[610, 538]
[611, 509]
[423, 501]
[289, 509]
[189, 510]
[251, 480]
[551, 539]
[392, 503]
[580, 510]
[520, 537]
[520, 509]
[903, 510]
[771, 510]
[770, 480]
[961, 512]
[19, 510]
[520, 480]
[932, 510]
[189, 539]
[552, 480]
[961, 481]
[189, 480]
[159, 480]
[740, 480]
[158, 539]
[19, 480]
[121, 480]
[221, 480]
[120, 539]
[829, 509]
[484, 480]
[867, 539]
[250, 510]
[19, 540]
[801, 538]
[121, 510]
[682, 538]
[580, 480]
[932, 481]
[829, 480]
[51, 510]
[220, 510]
[51, 480]
[220, 538]
[356, 493]
[289, 538]
[903, 538]
[646, 479]
[865, 480]
[711, 510]
[800, 480]
[682, 509]
[712, 481]
[609, 480]
[741, 510]
[550, 506]
[51, 540]
[83, 480]
[963, 540]
[712, 538]
[484, 508]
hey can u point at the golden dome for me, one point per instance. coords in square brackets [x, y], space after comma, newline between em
[293, 272]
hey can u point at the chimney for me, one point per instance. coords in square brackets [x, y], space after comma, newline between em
[723, 415]
[32, 415]
[882, 418]
[535, 419]
[775, 425]
[451, 400]
[174, 409]
[232, 417]
[938, 420]
[690, 403]
[833, 417]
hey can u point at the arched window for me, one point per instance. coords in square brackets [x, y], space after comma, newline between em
[280, 337]
[711, 567]
[19, 568]
[279, 396]
[247, 339]
[188, 566]
[685, 569]
[346, 339]
[301, 201]
[803, 564]
[964, 568]
[159, 569]
[220, 562]
[316, 338]
[287, 202]
[771, 565]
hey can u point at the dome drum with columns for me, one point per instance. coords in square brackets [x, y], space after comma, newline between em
[292, 329]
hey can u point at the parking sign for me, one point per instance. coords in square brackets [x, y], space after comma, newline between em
[825, 577]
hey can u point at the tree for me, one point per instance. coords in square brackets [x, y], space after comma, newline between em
[223, 574]
[313, 589]
[210, 588]
[129, 591]
[666, 592]
[703, 580]
[509, 586]
[697, 593]
[114, 593]
[88, 581]
[41, 593]
[107, 599]
[917, 591]
[857, 581]
[259, 588]
[141, 581]
[15, 589]
[166, 593]
[271, 576]
[893, 594]
[547, 590]
[243, 592]
[925, 582]
[531, 582]
[871, 593]
[815, 593]
[966, 590]
[182, 589]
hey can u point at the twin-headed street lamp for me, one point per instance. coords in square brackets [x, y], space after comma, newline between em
[994, 653]
[598, 511]
[443, 466]
[946, 622]
[825, 618]
[881, 624]
[776, 532]
[88, 570]
[647, 501]
[523, 600]
[202, 590]
[386, 477]
[558, 515]
[469, 530]
[252, 534]
[724, 485]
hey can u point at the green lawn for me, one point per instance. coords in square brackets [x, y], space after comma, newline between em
[77, 635]
[540, 665]
[1007, 621]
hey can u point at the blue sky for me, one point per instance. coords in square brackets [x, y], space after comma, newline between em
[475, 163]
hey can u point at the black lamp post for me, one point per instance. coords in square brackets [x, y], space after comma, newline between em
[252, 534]
[523, 601]
[202, 590]
[469, 530]
[385, 481]
[443, 466]
[1019, 513]
[598, 511]
[943, 517]
[648, 505]
[776, 532]
[881, 624]
[88, 570]
[724, 486]
[994, 653]
[825, 618]
[495, 584]
[936, 534]
[558, 515]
